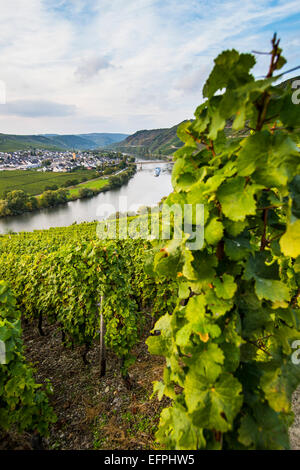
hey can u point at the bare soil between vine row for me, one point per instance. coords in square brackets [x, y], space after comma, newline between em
[100, 413]
[92, 412]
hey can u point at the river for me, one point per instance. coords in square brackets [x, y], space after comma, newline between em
[144, 189]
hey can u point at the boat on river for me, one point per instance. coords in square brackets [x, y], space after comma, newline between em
[157, 171]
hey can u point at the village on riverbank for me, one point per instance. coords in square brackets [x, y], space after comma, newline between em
[34, 182]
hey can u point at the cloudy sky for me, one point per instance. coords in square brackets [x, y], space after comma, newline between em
[77, 66]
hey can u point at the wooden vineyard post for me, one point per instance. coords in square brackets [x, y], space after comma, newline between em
[102, 341]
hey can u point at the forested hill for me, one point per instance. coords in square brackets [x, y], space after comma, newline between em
[289, 82]
[10, 142]
[165, 141]
[155, 141]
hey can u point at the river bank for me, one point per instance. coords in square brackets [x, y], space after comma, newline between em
[19, 202]
[142, 189]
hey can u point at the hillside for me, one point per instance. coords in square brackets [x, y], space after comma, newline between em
[34, 182]
[72, 142]
[93, 412]
[288, 82]
[165, 141]
[155, 141]
[104, 139]
[10, 142]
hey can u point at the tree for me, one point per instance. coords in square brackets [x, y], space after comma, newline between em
[32, 204]
[85, 192]
[4, 209]
[69, 183]
[53, 198]
[47, 199]
[16, 201]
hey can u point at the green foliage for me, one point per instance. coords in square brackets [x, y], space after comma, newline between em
[65, 286]
[61, 274]
[24, 405]
[9, 142]
[151, 142]
[35, 182]
[228, 341]
[17, 202]
[53, 198]
[70, 182]
[118, 180]
[85, 192]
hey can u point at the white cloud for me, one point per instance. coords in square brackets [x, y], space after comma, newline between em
[91, 66]
[125, 65]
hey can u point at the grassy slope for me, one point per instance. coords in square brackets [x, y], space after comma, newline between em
[95, 184]
[33, 182]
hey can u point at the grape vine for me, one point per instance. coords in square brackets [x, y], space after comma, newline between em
[24, 404]
[228, 341]
[61, 280]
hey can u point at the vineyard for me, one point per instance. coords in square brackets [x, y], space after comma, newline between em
[34, 183]
[71, 281]
[224, 315]
[68, 278]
